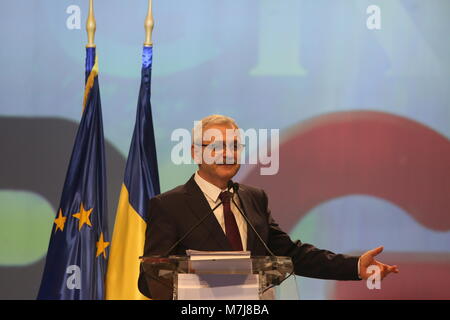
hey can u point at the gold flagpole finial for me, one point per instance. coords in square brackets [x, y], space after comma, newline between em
[91, 25]
[148, 25]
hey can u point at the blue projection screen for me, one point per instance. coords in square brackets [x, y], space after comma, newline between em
[358, 89]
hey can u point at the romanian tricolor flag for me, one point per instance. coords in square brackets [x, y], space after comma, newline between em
[76, 260]
[141, 183]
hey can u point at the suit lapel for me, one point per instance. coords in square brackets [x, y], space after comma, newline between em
[199, 206]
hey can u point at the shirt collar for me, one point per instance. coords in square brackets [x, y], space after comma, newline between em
[210, 190]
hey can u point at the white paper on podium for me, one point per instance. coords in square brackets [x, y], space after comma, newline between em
[218, 286]
[216, 255]
[215, 262]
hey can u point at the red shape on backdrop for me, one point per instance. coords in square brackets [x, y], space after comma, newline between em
[422, 276]
[360, 152]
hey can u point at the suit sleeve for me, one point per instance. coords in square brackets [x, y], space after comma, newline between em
[161, 233]
[308, 260]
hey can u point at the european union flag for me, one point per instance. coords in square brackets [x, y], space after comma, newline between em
[77, 254]
[141, 183]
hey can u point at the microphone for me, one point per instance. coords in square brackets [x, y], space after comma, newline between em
[190, 230]
[235, 187]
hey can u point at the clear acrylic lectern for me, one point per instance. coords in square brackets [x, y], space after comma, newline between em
[183, 278]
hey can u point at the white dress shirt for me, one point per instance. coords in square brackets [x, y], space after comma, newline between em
[212, 193]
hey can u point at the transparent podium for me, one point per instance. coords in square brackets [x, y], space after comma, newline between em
[251, 278]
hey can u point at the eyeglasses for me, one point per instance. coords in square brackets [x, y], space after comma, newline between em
[219, 146]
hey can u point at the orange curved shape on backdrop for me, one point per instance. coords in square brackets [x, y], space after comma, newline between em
[423, 275]
[360, 152]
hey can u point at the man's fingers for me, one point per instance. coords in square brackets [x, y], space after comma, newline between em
[393, 269]
[386, 270]
[375, 251]
[390, 269]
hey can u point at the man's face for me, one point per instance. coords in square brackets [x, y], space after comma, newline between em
[220, 151]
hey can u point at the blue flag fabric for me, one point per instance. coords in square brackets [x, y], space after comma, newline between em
[77, 255]
[141, 172]
[141, 182]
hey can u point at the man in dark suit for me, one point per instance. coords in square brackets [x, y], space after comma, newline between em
[173, 214]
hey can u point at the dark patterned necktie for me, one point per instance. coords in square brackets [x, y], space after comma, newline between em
[231, 228]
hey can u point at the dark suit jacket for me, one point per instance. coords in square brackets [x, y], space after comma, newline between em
[174, 212]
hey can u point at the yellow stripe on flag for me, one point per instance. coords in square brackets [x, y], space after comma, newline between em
[90, 82]
[126, 248]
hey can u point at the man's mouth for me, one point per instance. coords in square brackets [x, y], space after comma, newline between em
[227, 164]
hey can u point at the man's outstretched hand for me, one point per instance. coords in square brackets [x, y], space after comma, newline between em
[368, 259]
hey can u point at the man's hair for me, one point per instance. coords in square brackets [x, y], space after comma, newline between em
[209, 121]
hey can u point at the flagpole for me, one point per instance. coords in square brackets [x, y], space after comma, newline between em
[148, 25]
[91, 25]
